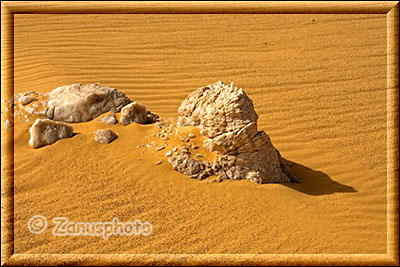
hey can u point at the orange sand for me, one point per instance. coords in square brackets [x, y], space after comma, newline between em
[318, 87]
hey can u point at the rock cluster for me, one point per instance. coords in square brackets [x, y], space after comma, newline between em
[46, 132]
[226, 117]
[77, 103]
[80, 103]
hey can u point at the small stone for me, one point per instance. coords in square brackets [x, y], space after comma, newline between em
[191, 135]
[194, 146]
[199, 155]
[175, 149]
[187, 140]
[185, 150]
[159, 162]
[168, 154]
[110, 119]
[25, 100]
[165, 138]
[160, 148]
[134, 112]
[104, 136]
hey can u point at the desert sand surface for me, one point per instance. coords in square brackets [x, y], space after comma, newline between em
[318, 84]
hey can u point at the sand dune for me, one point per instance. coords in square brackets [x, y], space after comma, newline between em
[318, 83]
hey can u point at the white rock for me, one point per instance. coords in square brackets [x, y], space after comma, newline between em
[46, 132]
[110, 119]
[104, 136]
[79, 103]
[136, 112]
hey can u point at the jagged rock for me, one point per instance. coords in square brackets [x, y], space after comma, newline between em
[104, 136]
[226, 117]
[80, 103]
[110, 119]
[187, 165]
[224, 114]
[136, 112]
[46, 132]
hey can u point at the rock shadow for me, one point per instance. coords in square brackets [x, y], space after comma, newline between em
[315, 183]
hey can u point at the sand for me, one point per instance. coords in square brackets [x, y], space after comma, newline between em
[318, 83]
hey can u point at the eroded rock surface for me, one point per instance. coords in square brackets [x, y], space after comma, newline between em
[104, 136]
[187, 165]
[46, 132]
[226, 117]
[136, 112]
[80, 103]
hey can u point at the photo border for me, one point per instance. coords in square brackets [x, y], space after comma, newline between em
[391, 8]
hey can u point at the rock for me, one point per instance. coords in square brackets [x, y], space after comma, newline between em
[160, 148]
[227, 119]
[80, 103]
[25, 100]
[110, 119]
[224, 114]
[46, 132]
[183, 163]
[168, 154]
[7, 125]
[136, 112]
[191, 135]
[159, 162]
[104, 136]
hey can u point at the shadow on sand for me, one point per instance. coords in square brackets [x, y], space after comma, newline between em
[315, 183]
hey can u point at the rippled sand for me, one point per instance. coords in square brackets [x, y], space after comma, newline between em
[318, 83]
